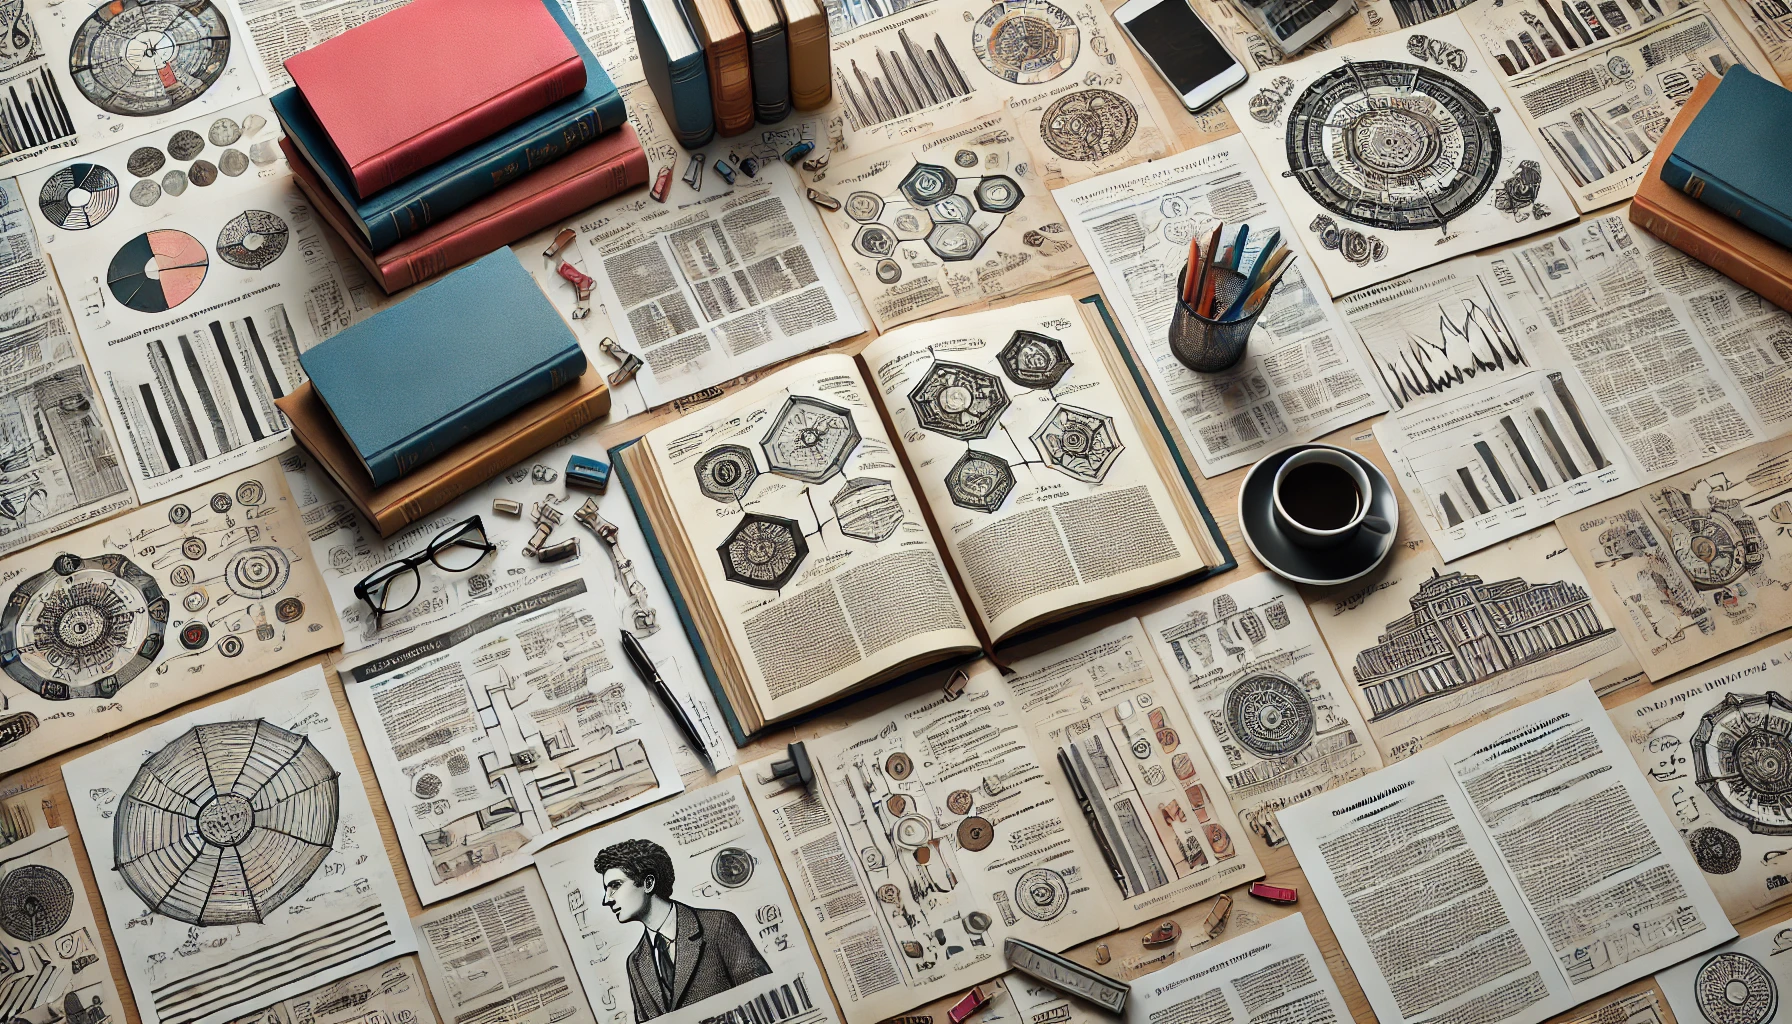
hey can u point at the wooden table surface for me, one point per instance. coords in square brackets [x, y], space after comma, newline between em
[1220, 494]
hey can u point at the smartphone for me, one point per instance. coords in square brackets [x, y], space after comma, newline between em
[1182, 49]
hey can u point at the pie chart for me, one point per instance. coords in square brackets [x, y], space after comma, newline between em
[157, 271]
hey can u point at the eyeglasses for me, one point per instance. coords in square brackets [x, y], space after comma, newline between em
[395, 585]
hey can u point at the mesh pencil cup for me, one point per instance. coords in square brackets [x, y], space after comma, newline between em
[1205, 343]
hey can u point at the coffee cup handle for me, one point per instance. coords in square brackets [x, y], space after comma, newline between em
[1376, 524]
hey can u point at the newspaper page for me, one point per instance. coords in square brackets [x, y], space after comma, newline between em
[1770, 21]
[391, 993]
[512, 727]
[1700, 742]
[496, 957]
[79, 76]
[122, 620]
[813, 547]
[265, 778]
[1522, 37]
[1429, 651]
[1695, 565]
[1600, 113]
[1300, 377]
[1517, 870]
[1741, 981]
[942, 220]
[1265, 699]
[1030, 461]
[58, 970]
[1275, 973]
[283, 28]
[933, 832]
[62, 465]
[679, 915]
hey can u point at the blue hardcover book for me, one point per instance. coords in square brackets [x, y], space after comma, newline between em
[418, 378]
[1736, 156]
[393, 214]
[672, 58]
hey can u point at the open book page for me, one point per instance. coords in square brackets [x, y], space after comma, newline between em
[513, 726]
[1030, 461]
[1300, 377]
[1274, 973]
[698, 867]
[813, 549]
[1742, 982]
[1713, 747]
[496, 955]
[1697, 564]
[1103, 710]
[1264, 696]
[933, 832]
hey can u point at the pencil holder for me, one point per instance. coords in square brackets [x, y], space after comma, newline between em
[1204, 343]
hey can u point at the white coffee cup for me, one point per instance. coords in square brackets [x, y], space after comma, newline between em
[1361, 518]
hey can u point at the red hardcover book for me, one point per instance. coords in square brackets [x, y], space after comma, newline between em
[413, 86]
[568, 186]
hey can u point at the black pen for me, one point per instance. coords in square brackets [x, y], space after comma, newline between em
[644, 667]
[1082, 800]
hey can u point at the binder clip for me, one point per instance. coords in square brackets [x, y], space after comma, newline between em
[955, 684]
[1283, 894]
[823, 200]
[793, 770]
[693, 173]
[568, 548]
[507, 507]
[588, 474]
[631, 363]
[725, 171]
[662, 184]
[798, 151]
[546, 518]
[560, 242]
[1218, 916]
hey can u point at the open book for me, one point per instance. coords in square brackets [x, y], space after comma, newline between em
[849, 521]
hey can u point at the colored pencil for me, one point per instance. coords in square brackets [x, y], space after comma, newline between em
[1213, 249]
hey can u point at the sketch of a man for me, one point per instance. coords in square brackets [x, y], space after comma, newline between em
[686, 954]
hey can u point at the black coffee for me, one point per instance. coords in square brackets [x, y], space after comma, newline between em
[1319, 496]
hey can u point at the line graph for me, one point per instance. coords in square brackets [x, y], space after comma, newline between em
[1440, 336]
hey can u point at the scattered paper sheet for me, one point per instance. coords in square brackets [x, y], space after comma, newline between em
[56, 967]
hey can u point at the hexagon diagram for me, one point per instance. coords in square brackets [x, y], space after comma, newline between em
[867, 509]
[998, 193]
[726, 472]
[875, 241]
[954, 242]
[763, 551]
[809, 439]
[953, 214]
[959, 401]
[979, 481]
[1078, 443]
[1033, 360]
[926, 184]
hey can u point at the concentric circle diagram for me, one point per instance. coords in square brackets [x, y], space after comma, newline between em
[258, 572]
[142, 57]
[157, 270]
[1270, 715]
[252, 240]
[1027, 42]
[226, 823]
[1091, 124]
[83, 627]
[79, 196]
[1041, 894]
[1393, 145]
[1733, 988]
[36, 900]
[1742, 758]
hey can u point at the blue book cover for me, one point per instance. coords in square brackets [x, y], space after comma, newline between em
[680, 84]
[418, 378]
[1736, 156]
[430, 195]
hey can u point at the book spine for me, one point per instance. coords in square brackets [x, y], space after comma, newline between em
[467, 129]
[811, 70]
[1719, 196]
[1685, 237]
[731, 86]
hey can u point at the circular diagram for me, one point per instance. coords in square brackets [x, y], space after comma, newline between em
[250, 492]
[1034, 360]
[201, 806]
[157, 271]
[83, 627]
[809, 440]
[979, 481]
[194, 635]
[36, 900]
[78, 196]
[139, 58]
[427, 785]
[899, 766]
[252, 240]
[289, 610]
[912, 831]
[763, 551]
[1041, 894]
[975, 834]
[1733, 988]
[1716, 851]
[144, 161]
[192, 547]
[258, 572]
[1742, 758]
[1393, 145]
[1714, 549]
[959, 801]
[1026, 42]
[725, 473]
[732, 867]
[1092, 124]
[1270, 715]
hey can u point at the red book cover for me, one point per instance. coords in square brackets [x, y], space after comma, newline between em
[568, 186]
[420, 83]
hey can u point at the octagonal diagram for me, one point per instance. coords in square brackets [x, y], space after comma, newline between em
[998, 193]
[926, 184]
[867, 509]
[809, 439]
[979, 481]
[954, 207]
[959, 401]
[1078, 443]
[1034, 360]
[763, 551]
[875, 241]
[954, 242]
[726, 472]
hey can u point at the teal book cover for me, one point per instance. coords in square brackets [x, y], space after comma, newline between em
[1736, 156]
[681, 85]
[415, 379]
[396, 213]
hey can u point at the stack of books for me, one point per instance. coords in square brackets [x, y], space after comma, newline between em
[717, 66]
[1720, 186]
[440, 131]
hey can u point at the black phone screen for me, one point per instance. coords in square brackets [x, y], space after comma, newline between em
[1183, 48]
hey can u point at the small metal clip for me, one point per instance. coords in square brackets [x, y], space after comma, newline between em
[725, 171]
[662, 184]
[798, 151]
[578, 278]
[647, 620]
[956, 683]
[631, 363]
[823, 200]
[568, 548]
[794, 769]
[587, 473]
[693, 173]
[1217, 917]
[560, 242]
[507, 507]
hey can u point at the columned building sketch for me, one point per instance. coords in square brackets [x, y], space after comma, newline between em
[1463, 631]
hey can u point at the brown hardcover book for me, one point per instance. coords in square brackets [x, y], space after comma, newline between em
[455, 472]
[730, 63]
[1753, 261]
[811, 62]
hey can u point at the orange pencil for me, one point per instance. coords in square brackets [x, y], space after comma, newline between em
[1213, 248]
[1191, 272]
